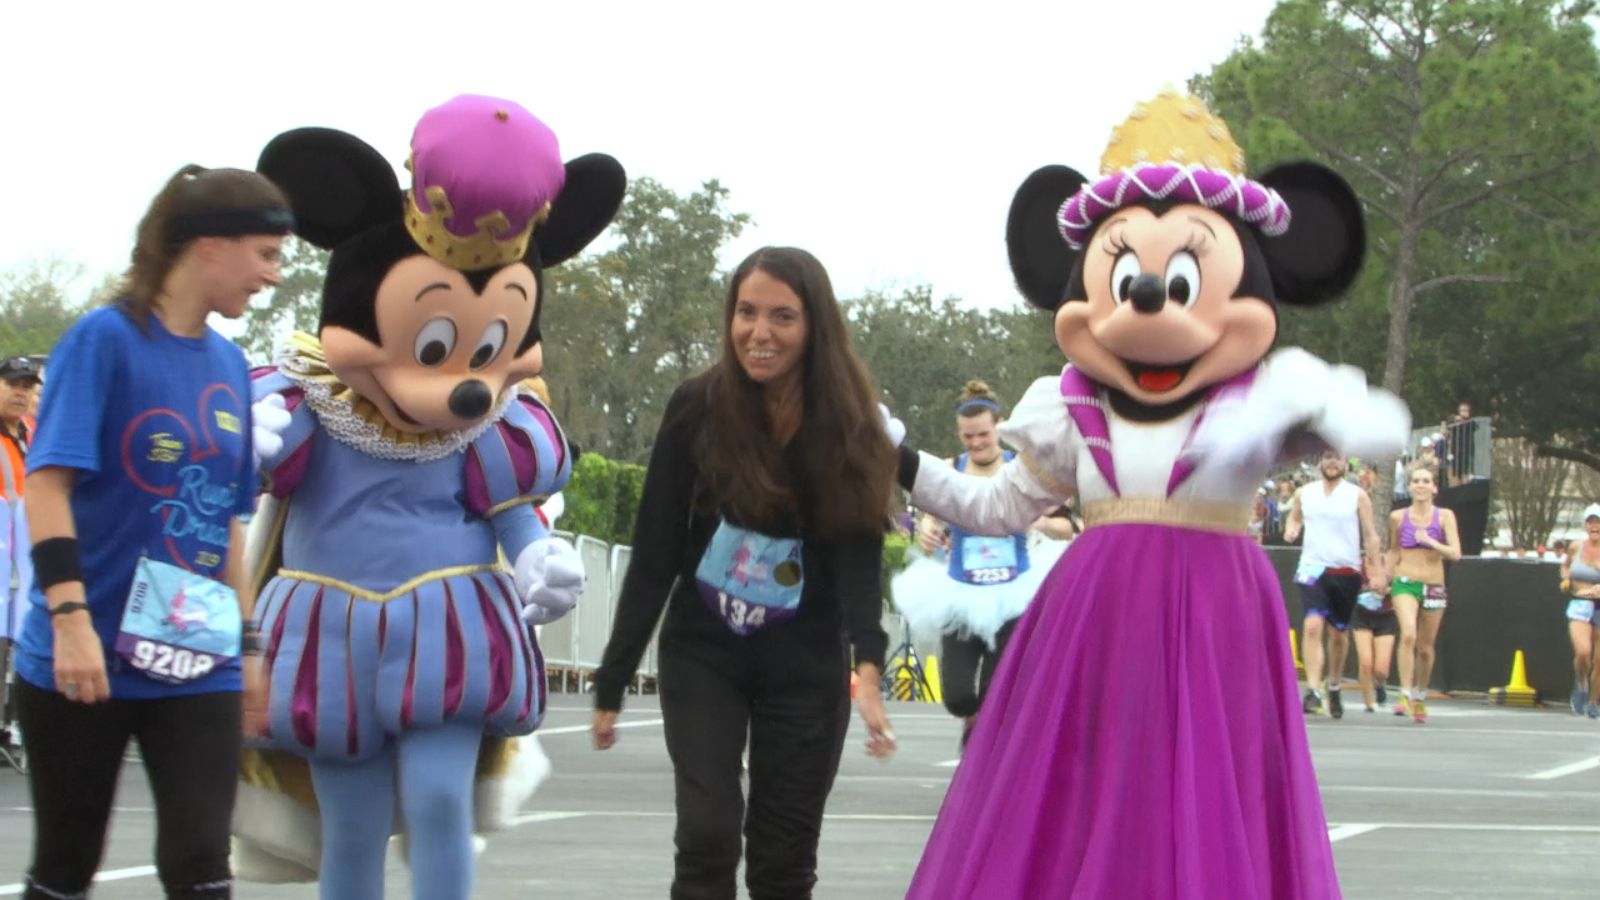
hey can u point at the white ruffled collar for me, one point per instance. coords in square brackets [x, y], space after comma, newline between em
[356, 422]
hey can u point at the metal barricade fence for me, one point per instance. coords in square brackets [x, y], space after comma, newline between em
[594, 605]
[574, 644]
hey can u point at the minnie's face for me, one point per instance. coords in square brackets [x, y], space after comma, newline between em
[1160, 320]
[447, 352]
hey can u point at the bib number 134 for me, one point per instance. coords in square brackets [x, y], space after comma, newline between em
[741, 614]
[170, 662]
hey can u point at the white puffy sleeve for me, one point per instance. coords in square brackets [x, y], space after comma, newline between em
[1039, 478]
[1295, 391]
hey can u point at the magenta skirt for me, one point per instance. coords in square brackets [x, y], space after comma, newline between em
[1142, 737]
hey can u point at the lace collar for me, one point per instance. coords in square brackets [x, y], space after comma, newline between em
[356, 422]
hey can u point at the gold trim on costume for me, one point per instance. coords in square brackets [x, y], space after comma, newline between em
[1231, 518]
[491, 244]
[499, 508]
[1045, 478]
[280, 772]
[385, 597]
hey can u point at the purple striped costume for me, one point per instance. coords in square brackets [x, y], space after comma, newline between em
[391, 609]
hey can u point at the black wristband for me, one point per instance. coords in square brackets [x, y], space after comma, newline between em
[55, 561]
[71, 606]
[250, 641]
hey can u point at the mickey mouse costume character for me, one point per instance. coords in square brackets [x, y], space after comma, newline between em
[1107, 763]
[396, 639]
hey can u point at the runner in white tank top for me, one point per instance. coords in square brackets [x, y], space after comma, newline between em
[1337, 518]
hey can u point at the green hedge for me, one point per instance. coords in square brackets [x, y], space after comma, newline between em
[602, 499]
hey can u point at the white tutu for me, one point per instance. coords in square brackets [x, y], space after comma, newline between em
[934, 604]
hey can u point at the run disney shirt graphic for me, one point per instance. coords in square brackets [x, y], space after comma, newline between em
[189, 467]
[179, 623]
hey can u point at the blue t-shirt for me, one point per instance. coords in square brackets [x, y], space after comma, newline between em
[158, 427]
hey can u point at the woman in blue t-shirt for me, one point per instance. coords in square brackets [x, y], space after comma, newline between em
[140, 478]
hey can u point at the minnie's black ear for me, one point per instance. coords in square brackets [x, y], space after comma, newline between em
[337, 184]
[588, 202]
[1041, 260]
[1318, 258]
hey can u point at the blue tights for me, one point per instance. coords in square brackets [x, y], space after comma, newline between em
[432, 769]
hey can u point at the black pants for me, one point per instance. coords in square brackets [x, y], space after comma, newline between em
[190, 746]
[967, 668]
[793, 704]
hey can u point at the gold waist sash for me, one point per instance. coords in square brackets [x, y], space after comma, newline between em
[1231, 518]
[385, 596]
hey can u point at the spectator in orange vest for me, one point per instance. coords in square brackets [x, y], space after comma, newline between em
[18, 379]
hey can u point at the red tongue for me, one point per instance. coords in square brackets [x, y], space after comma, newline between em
[1159, 379]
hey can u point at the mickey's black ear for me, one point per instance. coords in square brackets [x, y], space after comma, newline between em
[588, 202]
[337, 184]
[1318, 258]
[1041, 260]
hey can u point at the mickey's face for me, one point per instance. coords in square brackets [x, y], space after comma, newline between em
[1160, 319]
[446, 352]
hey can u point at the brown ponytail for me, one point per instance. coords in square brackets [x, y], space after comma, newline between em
[158, 245]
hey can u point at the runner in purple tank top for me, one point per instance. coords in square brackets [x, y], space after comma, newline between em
[1421, 538]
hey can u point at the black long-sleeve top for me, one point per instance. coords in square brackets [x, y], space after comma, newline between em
[843, 591]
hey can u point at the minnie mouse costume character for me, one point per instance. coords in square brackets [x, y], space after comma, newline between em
[396, 639]
[1142, 736]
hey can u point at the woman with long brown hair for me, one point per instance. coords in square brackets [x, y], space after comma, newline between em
[760, 531]
[140, 479]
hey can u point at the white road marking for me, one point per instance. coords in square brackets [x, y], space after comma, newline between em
[1337, 833]
[1582, 765]
[575, 729]
[14, 890]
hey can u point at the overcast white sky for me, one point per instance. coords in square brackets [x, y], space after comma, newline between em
[886, 137]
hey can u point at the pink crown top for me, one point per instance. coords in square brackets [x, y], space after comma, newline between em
[488, 155]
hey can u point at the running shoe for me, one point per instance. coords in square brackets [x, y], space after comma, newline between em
[1401, 706]
[1312, 705]
[1593, 711]
[1381, 693]
[1580, 699]
[1371, 708]
[1336, 704]
[1419, 711]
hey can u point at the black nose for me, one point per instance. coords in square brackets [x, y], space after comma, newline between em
[470, 399]
[1147, 293]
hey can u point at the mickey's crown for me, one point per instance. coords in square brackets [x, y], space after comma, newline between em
[484, 173]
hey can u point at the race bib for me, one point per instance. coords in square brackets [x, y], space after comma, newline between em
[750, 580]
[1308, 573]
[178, 626]
[1371, 601]
[988, 560]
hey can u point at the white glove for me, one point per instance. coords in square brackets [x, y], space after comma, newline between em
[269, 419]
[1298, 390]
[553, 508]
[549, 578]
[895, 427]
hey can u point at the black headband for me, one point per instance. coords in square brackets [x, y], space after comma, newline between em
[233, 223]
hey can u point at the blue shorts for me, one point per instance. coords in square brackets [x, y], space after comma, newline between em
[1581, 611]
[1332, 596]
